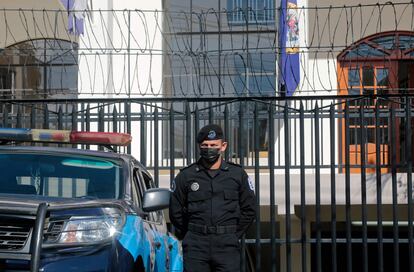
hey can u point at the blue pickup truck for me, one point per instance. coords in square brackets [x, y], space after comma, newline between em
[67, 209]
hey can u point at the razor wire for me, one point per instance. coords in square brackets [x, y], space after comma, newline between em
[175, 53]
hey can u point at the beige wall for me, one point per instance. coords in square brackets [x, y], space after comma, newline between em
[341, 27]
[17, 26]
[328, 31]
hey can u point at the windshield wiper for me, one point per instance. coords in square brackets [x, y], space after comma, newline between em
[86, 197]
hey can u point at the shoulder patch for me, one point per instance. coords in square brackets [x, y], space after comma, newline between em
[195, 186]
[234, 164]
[251, 183]
[173, 185]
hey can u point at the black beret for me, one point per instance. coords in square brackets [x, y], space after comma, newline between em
[210, 132]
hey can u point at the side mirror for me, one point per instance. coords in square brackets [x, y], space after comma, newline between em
[156, 199]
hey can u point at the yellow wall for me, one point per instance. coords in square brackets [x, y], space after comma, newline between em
[20, 25]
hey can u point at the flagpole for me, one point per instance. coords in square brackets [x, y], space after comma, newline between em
[277, 10]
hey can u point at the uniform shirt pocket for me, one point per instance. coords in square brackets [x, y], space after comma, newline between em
[197, 201]
[231, 195]
[231, 198]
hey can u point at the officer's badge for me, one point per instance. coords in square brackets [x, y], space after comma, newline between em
[173, 185]
[251, 184]
[195, 186]
[211, 135]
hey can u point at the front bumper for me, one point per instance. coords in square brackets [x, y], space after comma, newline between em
[34, 256]
[110, 257]
[97, 261]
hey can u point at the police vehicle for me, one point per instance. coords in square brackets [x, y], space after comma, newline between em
[67, 209]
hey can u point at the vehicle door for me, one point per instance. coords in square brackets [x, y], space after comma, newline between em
[157, 228]
[145, 234]
[170, 242]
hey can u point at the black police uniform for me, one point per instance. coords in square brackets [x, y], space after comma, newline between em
[211, 209]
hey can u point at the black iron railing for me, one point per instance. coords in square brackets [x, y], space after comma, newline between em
[333, 175]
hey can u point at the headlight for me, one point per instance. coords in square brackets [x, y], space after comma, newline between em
[84, 229]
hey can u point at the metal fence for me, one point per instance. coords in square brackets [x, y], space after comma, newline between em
[333, 175]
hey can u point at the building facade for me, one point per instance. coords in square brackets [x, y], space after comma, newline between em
[38, 60]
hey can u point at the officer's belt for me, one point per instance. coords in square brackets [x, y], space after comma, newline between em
[203, 229]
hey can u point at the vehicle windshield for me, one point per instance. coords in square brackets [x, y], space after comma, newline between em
[65, 176]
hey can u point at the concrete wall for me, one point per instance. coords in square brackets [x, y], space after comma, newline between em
[20, 25]
[118, 29]
[120, 56]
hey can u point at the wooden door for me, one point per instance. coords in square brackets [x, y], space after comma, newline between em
[366, 79]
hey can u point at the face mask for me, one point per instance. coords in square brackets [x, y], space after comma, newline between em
[211, 155]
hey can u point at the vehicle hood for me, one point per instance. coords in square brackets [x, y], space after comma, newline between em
[22, 204]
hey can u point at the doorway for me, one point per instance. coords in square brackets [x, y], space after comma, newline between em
[376, 65]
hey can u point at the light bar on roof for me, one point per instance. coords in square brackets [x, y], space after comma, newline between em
[64, 136]
[48, 135]
[17, 134]
[82, 137]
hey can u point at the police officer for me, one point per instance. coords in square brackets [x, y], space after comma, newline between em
[211, 206]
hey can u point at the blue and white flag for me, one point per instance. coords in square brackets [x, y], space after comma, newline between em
[76, 17]
[289, 75]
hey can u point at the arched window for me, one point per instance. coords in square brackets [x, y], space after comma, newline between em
[38, 69]
[379, 64]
